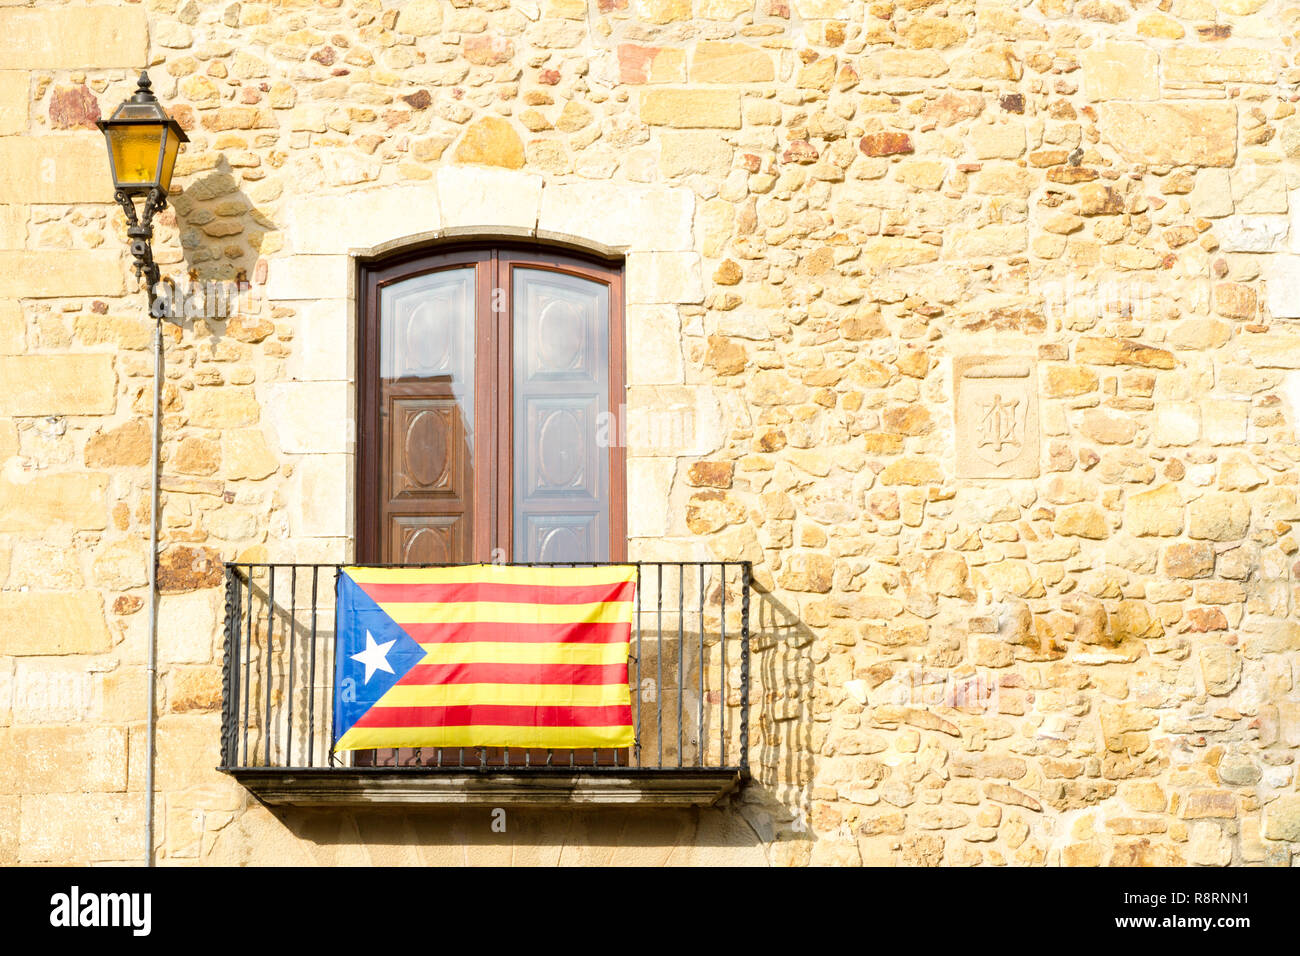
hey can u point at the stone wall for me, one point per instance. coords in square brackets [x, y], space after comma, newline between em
[971, 324]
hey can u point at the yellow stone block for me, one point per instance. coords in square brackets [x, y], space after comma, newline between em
[1155, 512]
[905, 63]
[1083, 520]
[26, 274]
[421, 18]
[722, 9]
[998, 140]
[57, 385]
[822, 9]
[930, 32]
[668, 66]
[9, 807]
[922, 174]
[124, 695]
[887, 252]
[13, 335]
[1197, 65]
[817, 75]
[75, 500]
[245, 454]
[694, 151]
[13, 227]
[491, 141]
[1171, 134]
[1158, 25]
[103, 36]
[63, 759]
[566, 9]
[81, 828]
[1120, 71]
[691, 109]
[51, 623]
[188, 750]
[223, 407]
[58, 168]
[131, 332]
[13, 101]
[730, 63]
[184, 832]
[663, 11]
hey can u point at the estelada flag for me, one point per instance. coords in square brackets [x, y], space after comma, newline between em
[483, 656]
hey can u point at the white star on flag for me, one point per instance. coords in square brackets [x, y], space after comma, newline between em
[375, 656]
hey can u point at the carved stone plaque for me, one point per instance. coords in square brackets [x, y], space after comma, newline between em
[996, 404]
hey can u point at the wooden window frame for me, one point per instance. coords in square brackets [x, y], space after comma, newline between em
[493, 387]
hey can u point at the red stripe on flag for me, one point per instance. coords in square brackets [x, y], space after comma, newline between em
[515, 674]
[496, 633]
[397, 593]
[496, 715]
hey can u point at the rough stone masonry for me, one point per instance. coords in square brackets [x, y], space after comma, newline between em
[985, 312]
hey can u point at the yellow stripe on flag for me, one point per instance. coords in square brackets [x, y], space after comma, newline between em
[503, 652]
[551, 738]
[489, 612]
[527, 695]
[496, 574]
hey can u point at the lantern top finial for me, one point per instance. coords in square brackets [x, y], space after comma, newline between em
[143, 107]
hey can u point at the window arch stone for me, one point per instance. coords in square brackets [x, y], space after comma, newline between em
[328, 234]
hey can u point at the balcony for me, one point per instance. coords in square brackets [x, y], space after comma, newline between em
[688, 670]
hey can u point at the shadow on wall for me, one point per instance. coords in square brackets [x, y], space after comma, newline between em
[781, 737]
[222, 237]
[782, 721]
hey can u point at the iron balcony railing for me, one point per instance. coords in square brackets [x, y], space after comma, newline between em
[688, 672]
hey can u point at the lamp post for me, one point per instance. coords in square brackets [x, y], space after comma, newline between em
[142, 145]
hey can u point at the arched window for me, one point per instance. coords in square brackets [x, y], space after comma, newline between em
[490, 387]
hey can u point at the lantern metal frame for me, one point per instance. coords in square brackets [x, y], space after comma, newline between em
[143, 109]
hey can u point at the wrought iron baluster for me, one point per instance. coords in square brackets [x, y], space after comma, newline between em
[334, 663]
[311, 676]
[681, 656]
[248, 662]
[699, 726]
[722, 682]
[659, 661]
[229, 663]
[293, 628]
[266, 656]
[636, 688]
[744, 668]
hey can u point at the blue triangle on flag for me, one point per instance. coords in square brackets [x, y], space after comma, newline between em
[372, 653]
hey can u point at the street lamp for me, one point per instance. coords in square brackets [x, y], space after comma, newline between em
[142, 145]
